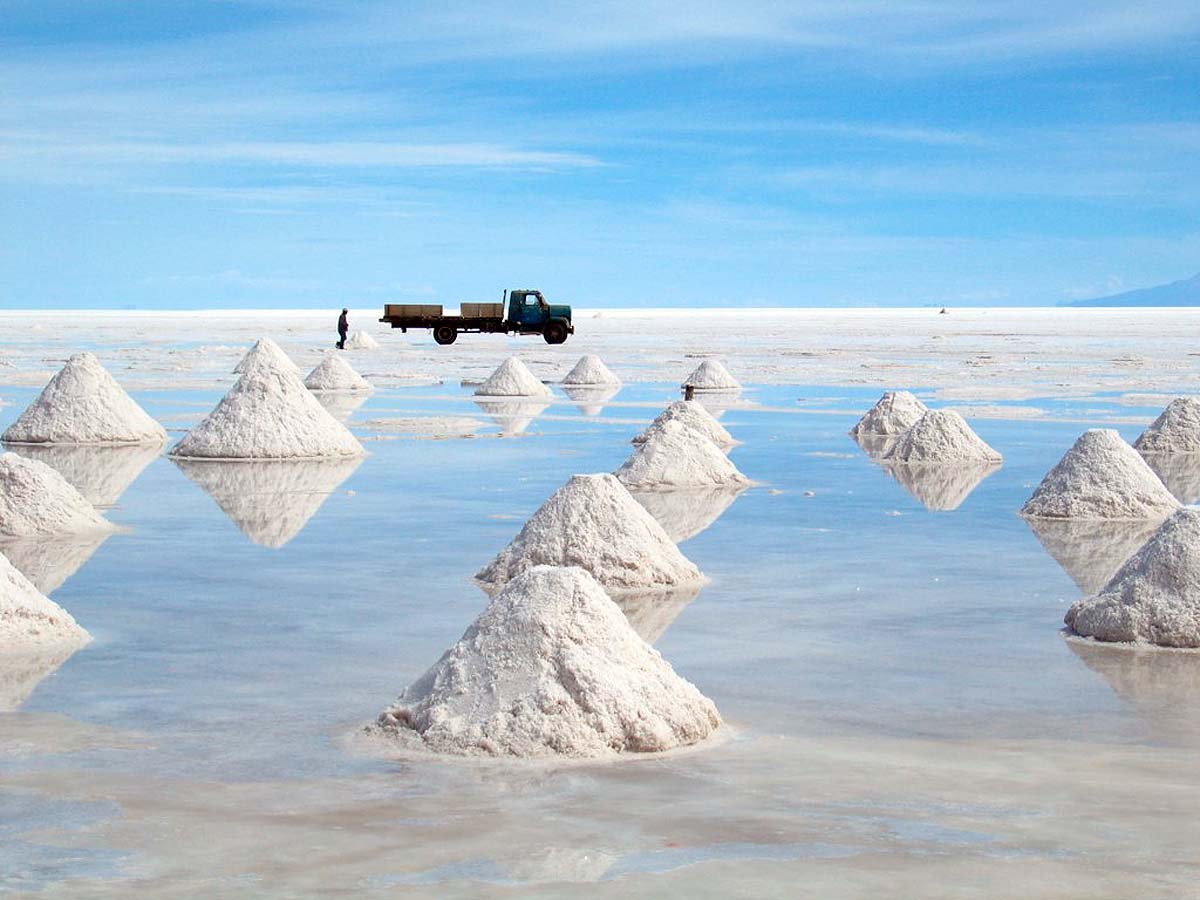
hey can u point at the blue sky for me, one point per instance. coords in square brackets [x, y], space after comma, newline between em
[328, 152]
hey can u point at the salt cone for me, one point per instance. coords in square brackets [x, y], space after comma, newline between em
[941, 435]
[265, 352]
[35, 500]
[693, 415]
[711, 375]
[333, 373]
[361, 340]
[512, 379]
[1176, 430]
[893, 414]
[591, 371]
[30, 620]
[678, 457]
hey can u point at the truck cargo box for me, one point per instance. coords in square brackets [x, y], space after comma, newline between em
[482, 310]
[407, 310]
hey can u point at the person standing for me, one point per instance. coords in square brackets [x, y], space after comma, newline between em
[343, 327]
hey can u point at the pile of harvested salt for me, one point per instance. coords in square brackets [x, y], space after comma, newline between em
[83, 404]
[361, 340]
[711, 375]
[268, 414]
[512, 379]
[36, 500]
[1176, 430]
[693, 416]
[265, 351]
[941, 435]
[893, 413]
[333, 373]
[593, 522]
[550, 668]
[591, 370]
[1155, 596]
[1101, 477]
[679, 457]
[30, 620]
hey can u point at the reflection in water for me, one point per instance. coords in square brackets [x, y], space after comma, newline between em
[572, 865]
[590, 400]
[1091, 550]
[341, 404]
[939, 486]
[716, 402]
[874, 445]
[270, 502]
[100, 473]
[21, 672]
[1162, 685]
[652, 612]
[684, 514]
[1180, 472]
[48, 562]
[513, 416]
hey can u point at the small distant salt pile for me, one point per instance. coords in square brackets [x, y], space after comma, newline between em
[513, 379]
[361, 340]
[711, 375]
[695, 417]
[1101, 477]
[591, 370]
[28, 619]
[593, 522]
[677, 456]
[893, 413]
[941, 435]
[1155, 596]
[36, 500]
[1176, 430]
[333, 373]
[83, 404]
[268, 414]
[551, 668]
[265, 351]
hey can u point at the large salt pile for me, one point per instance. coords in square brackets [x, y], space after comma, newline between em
[361, 340]
[678, 457]
[893, 413]
[1101, 477]
[711, 375]
[593, 522]
[551, 668]
[268, 414]
[591, 370]
[693, 415]
[265, 351]
[1155, 596]
[28, 619]
[941, 435]
[83, 404]
[512, 379]
[1176, 430]
[36, 500]
[333, 373]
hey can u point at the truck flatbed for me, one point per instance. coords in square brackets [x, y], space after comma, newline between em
[528, 313]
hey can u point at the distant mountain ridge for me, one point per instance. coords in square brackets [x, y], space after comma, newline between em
[1177, 293]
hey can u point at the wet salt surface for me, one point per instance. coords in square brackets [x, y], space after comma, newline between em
[905, 714]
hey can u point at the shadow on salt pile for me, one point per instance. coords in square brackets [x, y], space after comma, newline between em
[269, 501]
[101, 473]
[512, 416]
[341, 404]
[50, 561]
[940, 487]
[1091, 551]
[651, 613]
[590, 400]
[1180, 472]
[685, 513]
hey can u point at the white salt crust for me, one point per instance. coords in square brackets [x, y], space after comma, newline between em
[1155, 596]
[361, 340]
[679, 457]
[265, 352]
[83, 404]
[893, 413]
[268, 414]
[711, 375]
[591, 370]
[941, 435]
[551, 668]
[1101, 477]
[1176, 430]
[693, 415]
[28, 619]
[593, 522]
[35, 500]
[333, 373]
[512, 379]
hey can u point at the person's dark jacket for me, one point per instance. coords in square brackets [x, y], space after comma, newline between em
[343, 323]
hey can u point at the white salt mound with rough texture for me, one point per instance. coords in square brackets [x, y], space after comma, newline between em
[692, 415]
[893, 413]
[83, 404]
[36, 500]
[28, 619]
[676, 456]
[551, 668]
[1176, 430]
[941, 435]
[265, 352]
[1101, 477]
[361, 340]
[268, 414]
[333, 373]
[1155, 596]
[591, 370]
[711, 375]
[593, 522]
[513, 379]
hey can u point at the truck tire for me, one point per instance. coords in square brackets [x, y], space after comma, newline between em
[555, 333]
[445, 334]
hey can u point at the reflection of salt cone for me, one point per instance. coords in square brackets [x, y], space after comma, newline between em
[1162, 685]
[48, 562]
[270, 502]
[590, 400]
[684, 514]
[651, 613]
[21, 672]
[513, 416]
[101, 473]
[1180, 472]
[875, 445]
[939, 486]
[341, 404]
[560, 865]
[716, 402]
[1091, 550]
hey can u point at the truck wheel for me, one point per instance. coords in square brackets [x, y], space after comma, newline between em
[445, 334]
[555, 333]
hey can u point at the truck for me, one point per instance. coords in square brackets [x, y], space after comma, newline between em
[528, 313]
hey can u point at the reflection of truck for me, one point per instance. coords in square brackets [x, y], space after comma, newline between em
[528, 313]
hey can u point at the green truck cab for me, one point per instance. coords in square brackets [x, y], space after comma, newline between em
[529, 313]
